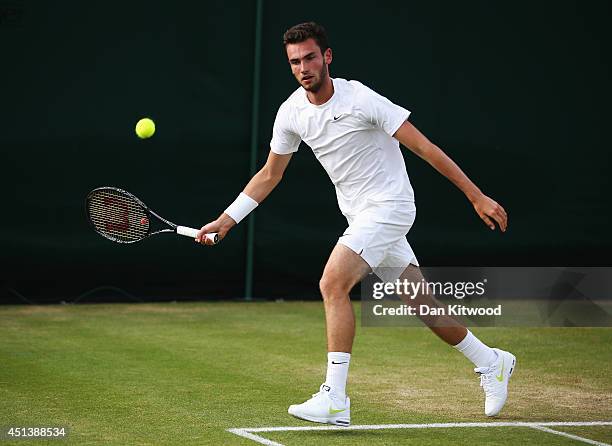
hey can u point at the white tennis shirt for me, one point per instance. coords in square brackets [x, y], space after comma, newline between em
[351, 136]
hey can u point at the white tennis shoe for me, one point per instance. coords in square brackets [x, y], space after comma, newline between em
[494, 380]
[323, 407]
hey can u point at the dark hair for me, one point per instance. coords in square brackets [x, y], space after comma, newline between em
[304, 31]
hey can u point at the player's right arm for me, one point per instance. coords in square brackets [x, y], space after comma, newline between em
[258, 188]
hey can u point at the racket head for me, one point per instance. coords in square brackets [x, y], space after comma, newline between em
[118, 215]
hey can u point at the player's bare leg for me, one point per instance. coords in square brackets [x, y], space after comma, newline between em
[494, 366]
[447, 328]
[343, 271]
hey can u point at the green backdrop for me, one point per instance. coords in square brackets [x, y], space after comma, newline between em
[517, 93]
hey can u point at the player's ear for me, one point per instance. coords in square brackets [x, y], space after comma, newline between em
[327, 56]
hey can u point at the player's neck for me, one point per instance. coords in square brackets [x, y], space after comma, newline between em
[324, 93]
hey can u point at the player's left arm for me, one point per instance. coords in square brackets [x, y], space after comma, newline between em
[487, 208]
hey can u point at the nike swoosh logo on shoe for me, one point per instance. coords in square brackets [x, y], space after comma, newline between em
[335, 411]
[500, 377]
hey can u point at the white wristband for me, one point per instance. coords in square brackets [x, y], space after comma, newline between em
[241, 207]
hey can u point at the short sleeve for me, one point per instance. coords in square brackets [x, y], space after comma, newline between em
[380, 111]
[284, 139]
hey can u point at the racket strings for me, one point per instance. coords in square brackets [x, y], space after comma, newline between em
[118, 217]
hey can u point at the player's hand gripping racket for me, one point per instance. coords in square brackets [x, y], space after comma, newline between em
[121, 217]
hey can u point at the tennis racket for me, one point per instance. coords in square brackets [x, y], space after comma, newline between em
[121, 217]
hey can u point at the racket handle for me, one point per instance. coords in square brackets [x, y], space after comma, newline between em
[190, 232]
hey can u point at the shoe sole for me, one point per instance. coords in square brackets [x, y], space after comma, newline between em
[336, 421]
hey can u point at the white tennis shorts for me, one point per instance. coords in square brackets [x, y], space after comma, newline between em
[378, 234]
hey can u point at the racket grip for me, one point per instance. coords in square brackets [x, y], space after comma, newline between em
[190, 232]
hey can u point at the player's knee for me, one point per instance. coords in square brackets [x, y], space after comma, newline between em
[332, 289]
[324, 286]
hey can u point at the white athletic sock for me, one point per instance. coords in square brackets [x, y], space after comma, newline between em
[337, 373]
[476, 351]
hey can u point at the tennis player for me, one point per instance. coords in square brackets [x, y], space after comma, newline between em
[355, 134]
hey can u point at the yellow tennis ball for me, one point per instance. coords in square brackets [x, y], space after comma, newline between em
[145, 128]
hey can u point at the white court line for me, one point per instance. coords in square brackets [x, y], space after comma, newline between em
[246, 434]
[572, 436]
[249, 432]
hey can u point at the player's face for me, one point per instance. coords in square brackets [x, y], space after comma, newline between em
[308, 65]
